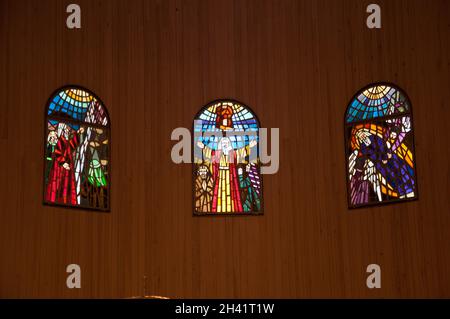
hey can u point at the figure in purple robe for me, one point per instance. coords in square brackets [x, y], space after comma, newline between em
[384, 161]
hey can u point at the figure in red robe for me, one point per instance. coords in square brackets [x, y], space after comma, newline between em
[223, 161]
[61, 182]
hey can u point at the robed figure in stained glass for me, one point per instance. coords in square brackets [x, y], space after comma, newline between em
[226, 195]
[249, 193]
[380, 144]
[378, 160]
[226, 135]
[203, 189]
[77, 150]
[61, 182]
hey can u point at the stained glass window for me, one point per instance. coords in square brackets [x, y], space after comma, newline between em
[379, 141]
[77, 146]
[226, 169]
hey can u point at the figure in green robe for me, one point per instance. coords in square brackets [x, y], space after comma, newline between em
[249, 196]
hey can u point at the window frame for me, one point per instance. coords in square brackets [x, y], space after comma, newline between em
[193, 164]
[107, 128]
[347, 137]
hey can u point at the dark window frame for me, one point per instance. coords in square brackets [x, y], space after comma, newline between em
[107, 128]
[347, 138]
[193, 164]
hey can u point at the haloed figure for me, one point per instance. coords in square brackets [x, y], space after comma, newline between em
[203, 189]
[61, 181]
[249, 195]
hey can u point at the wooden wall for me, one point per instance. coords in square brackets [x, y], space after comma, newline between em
[154, 64]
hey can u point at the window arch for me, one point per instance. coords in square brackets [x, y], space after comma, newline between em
[379, 144]
[77, 150]
[226, 166]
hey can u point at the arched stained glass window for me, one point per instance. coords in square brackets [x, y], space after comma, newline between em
[379, 143]
[77, 148]
[226, 169]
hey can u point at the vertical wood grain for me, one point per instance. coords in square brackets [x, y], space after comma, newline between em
[155, 64]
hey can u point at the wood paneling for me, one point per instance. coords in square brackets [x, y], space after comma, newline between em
[154, 64]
